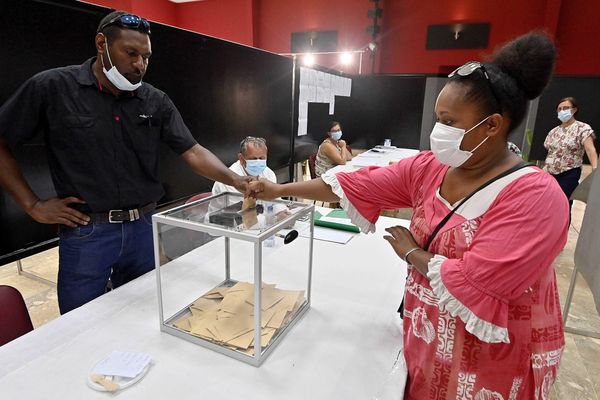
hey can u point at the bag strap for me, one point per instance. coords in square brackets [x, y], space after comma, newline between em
[439, 226]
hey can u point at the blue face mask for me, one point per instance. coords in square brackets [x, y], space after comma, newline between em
[336, 135]
[255, 167]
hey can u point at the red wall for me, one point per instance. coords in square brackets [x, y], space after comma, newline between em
[162, 11]
[578, 38]
[403, 46]
[268, 24]
[276, 20]
[227, 19]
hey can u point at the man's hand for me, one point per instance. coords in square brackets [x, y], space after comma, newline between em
[57, 211]
[263, 189]
[241, 184]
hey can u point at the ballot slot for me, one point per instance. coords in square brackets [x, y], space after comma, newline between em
[219, 286]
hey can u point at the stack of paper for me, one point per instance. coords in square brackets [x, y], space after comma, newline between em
[226, 314]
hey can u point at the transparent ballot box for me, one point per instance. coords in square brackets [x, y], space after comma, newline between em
[233, 275]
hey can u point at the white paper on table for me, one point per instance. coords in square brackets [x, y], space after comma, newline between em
[364, 161]
[123, 363]
[329, 235]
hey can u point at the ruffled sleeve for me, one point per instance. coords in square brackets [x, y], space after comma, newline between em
[517, 240]
[484, 330]
[364, 193]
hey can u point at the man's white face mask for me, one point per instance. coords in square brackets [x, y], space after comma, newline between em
[115, 77]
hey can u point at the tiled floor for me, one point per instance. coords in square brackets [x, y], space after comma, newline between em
[579, 376]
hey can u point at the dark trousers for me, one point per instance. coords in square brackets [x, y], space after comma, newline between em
[568, 181]
[90, 255]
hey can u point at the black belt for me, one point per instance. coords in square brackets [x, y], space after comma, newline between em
[120, 216]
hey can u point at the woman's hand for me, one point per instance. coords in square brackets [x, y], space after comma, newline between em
[401, 240]
[263, 189]
[342, 143]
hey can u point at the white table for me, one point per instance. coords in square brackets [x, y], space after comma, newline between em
[378, 156]
[343, 348]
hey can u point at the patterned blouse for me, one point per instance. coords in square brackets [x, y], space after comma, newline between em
[322, 162]
[565, 147]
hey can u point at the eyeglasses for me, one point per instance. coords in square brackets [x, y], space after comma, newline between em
[564, 108]
[129, 21]
[472, 66]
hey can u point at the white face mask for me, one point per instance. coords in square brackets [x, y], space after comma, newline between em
[445, 144]
[565, 115]
[115, 77]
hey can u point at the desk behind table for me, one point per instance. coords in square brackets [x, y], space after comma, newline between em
[378, 156]
[343, 348]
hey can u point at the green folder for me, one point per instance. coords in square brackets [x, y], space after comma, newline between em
[337, 213]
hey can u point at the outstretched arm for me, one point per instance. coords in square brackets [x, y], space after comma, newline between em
[315, 189]
[205, 163]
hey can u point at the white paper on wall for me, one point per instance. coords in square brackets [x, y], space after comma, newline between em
[302, 126]
[319, 87]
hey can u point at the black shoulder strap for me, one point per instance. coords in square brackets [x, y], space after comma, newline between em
[439, 226]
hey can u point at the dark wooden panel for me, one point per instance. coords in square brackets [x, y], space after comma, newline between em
[458, 36]
[316, 41]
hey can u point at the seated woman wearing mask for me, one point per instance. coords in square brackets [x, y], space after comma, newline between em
[481, 312]
[332, 151]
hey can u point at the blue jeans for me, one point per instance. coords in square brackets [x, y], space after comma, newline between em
[89, 255]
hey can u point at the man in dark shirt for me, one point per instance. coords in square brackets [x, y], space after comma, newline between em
[102, 130]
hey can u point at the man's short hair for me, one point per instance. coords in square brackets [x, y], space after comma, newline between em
[251, 140]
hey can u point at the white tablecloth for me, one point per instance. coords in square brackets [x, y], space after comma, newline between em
[343, 348]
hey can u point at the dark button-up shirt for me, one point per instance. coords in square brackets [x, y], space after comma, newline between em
[101, 148]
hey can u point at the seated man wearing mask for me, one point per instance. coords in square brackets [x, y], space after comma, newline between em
[252, 161]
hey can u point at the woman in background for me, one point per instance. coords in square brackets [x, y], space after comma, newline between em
[332, 151]
[566, 144]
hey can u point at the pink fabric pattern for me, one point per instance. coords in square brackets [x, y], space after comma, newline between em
[565, 147]
[497, 266]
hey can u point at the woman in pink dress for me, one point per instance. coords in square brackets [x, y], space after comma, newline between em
[481, 312]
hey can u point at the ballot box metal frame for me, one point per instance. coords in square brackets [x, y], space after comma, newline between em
[307, 212]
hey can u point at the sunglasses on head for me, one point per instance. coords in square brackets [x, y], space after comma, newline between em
[129, 21]
[472, 66]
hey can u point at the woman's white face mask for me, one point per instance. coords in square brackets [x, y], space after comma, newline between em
[445, 144]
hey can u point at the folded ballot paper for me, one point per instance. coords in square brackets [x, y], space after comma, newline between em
[336, 219]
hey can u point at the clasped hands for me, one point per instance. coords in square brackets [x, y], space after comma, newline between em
[256, 188]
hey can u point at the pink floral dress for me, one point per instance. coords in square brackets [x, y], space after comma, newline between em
[485, 323]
